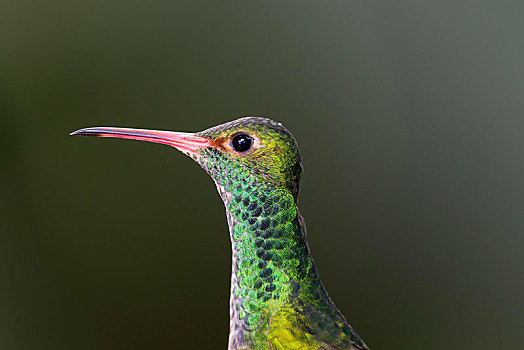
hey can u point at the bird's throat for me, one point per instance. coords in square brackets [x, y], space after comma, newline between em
[271, 259]
[276, 295]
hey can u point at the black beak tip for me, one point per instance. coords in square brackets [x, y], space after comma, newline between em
[84, 132]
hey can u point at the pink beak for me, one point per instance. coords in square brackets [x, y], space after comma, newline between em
[185, 142]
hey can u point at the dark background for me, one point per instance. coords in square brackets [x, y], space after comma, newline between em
[410, 117]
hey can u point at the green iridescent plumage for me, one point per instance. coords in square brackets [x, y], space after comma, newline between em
[277, 299]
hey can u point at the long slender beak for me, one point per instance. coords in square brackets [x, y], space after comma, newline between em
[185, 142]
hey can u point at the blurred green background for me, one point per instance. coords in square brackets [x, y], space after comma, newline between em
[410, 118]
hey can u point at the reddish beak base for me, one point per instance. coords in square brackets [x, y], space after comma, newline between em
[185, 142]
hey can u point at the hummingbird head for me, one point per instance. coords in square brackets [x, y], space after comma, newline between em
[250, 148]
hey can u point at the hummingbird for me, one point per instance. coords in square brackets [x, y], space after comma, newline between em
[277, 299]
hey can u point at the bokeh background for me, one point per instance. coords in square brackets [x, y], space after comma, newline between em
[410, 118]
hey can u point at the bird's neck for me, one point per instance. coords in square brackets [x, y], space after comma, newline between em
[271, 261]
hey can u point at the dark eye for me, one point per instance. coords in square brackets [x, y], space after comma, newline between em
[241, 142]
